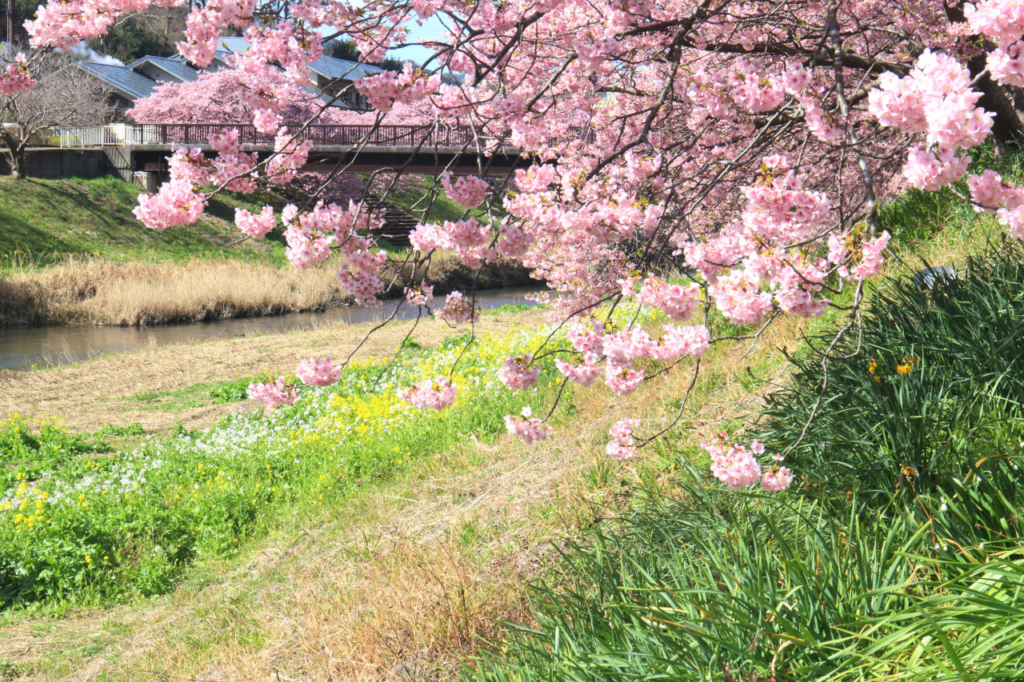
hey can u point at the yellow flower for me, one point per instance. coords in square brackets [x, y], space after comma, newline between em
[88, 559]
[872, 366]
[907, 367]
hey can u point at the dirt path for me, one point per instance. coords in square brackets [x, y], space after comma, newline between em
[151, 386]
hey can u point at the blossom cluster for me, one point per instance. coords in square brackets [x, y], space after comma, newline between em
[457, 309]
[272, 394]
[468, 238]
[407, 86]
[467, 190]
[430, 394]
[737, 468]
[527, 427]
[16, 77]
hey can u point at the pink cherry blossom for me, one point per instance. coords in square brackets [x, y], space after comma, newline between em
[527, 427]
[776, 479]
[419, 295]
[734, 466]
[516, 372]
[272, 394]
[16, 77]
[583, 374]
[410, 85]
[256, 225]
[622, 379]
[175, 204]
[679, 341]
[467, 190]
[429, 394]
[457, 309]
[318, 372]
[622, 446]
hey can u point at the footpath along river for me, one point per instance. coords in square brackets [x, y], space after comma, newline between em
[22, 348]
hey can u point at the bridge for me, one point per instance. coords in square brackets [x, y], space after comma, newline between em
[425, 149]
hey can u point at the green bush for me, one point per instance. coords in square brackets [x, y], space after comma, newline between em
[898, 556]
[929, 385]
[742, 588]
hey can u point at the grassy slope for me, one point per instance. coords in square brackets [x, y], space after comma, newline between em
[43, 220]
[47, 219]
[411, 570]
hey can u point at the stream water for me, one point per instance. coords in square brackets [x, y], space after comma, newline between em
[25, 347]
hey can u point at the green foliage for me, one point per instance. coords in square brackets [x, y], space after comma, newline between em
[933, 380]
[134, 37]
[235, 391]
[896, 556]
[26, 457]
[727, 586]
[46, 221]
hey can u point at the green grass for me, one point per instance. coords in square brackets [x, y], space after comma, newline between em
[46, 220]
[79, 529]
[196, 395]
[412, 195]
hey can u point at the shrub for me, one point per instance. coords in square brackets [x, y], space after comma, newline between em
[926, 388]
[742, 588]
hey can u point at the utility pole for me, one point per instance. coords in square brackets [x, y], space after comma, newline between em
[10, 29]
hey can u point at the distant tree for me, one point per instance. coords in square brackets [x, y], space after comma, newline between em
[230, 96]
[64, 97]
[134, 37]
[343, 49]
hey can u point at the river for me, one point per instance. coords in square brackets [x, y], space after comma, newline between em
[23, 348]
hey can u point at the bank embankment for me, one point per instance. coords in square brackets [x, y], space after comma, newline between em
[100, 291]
[175, 384]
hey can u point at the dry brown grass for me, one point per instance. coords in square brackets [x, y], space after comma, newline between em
[96, 291]
[103, 292]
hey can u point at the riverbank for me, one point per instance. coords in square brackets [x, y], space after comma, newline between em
[72, 252]
[91, 291]
[160, 388]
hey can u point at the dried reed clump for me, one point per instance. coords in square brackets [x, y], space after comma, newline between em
[447, 273]
[92, 291]
[103, 292]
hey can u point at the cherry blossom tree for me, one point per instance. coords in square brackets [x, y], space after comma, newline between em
[38, 97]
[749, 141]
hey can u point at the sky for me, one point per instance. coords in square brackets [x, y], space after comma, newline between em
[431, 28]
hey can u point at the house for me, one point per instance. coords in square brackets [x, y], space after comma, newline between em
[138, 79]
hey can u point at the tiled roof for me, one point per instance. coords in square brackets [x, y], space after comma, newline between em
[328, 67]
[127, 82]
[134, 85]
[332, 68]
[177, 69]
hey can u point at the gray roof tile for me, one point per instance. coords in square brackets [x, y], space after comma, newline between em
[121, 78]
[179, 70]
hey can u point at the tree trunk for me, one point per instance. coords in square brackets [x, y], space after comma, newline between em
[15, 155]
[20, 169]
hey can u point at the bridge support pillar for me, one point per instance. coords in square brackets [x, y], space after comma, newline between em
[151, 180]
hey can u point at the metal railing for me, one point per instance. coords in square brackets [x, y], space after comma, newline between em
[200, 133]
[122, 134]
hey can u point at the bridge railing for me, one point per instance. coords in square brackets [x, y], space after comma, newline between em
[122, 134]
[200, 133]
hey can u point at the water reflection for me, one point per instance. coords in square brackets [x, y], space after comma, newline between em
[23, 347]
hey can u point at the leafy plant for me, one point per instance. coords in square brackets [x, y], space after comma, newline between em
[926, 388]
